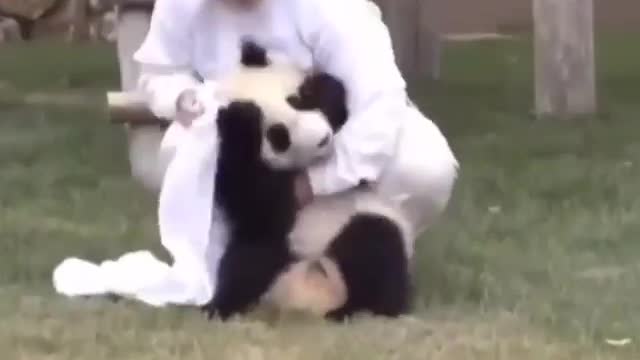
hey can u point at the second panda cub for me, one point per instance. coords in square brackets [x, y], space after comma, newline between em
[353, 252]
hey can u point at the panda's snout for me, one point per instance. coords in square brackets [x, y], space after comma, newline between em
[325, 141]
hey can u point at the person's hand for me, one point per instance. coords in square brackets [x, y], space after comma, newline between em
[303, 190]
[188, 107]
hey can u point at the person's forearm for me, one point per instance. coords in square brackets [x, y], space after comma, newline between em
[352, 44]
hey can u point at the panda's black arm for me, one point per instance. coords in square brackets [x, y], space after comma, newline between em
[253, 196]
[260, 209]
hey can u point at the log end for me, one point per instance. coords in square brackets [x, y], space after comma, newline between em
[130, 108]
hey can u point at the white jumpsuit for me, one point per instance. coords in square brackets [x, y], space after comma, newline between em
[386, 140]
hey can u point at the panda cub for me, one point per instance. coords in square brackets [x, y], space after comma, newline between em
[261, 144]
[338, 256]
[263, 141]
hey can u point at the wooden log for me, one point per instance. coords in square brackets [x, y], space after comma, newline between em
[564, 58]
[130, 108]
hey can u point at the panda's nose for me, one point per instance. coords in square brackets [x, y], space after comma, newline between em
[325, 141]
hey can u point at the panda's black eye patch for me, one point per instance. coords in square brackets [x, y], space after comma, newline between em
[253, 55]
[278, 136]
[294, 101]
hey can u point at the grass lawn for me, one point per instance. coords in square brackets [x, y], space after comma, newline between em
[538, 257]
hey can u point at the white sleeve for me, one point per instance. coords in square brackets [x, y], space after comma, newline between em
[350, 42]
[162, 88]
[165, 55]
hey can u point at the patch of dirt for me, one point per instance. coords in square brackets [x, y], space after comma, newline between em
[602, 273]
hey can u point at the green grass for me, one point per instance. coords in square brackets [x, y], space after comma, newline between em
[536, 258]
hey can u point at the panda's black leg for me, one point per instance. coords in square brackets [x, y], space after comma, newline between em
[246, 272]
[371, 257]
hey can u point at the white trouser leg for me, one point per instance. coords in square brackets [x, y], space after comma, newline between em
[423, 170]
[147, 163]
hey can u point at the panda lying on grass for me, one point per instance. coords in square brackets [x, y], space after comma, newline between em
[339, 255]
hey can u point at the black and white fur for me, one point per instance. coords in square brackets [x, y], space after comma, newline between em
[353, 252]
[341, 255]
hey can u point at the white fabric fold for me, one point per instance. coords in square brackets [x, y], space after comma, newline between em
[191, 230]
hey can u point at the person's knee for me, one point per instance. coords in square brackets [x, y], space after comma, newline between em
[148, 163]
[439, 179]
[429, 182]
[434, 186]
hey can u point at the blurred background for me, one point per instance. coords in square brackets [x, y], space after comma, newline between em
[537, 257]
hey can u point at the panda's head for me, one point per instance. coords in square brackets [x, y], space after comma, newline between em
[298, 113]
[308, 286]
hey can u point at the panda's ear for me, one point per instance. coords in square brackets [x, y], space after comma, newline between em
[326, 93]
[253, 55]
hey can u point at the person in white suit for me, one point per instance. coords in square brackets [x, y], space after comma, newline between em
[386, 142]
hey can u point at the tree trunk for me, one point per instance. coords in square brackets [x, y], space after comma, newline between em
[416, 42]
[564, 58]
[79, 25]
[429, 39]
